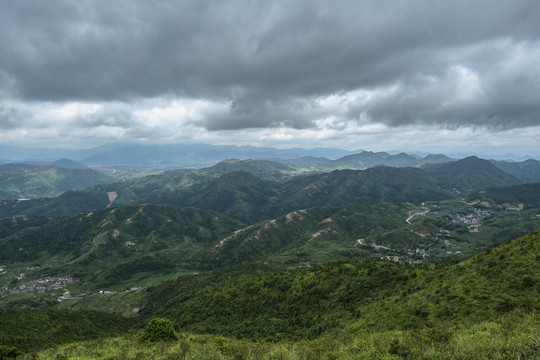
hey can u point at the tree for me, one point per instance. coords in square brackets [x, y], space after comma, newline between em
[159, 329]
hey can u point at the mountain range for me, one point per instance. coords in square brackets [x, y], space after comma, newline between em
[254, 187]
[296, 251]
[171, 156]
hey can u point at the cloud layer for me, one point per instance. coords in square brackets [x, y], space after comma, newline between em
[175, 70]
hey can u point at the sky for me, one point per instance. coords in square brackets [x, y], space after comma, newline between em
[417, 75]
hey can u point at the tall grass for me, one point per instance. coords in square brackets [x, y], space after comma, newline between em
[512, 336]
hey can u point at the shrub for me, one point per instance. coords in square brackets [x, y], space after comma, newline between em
[8, 352]
[159, 329]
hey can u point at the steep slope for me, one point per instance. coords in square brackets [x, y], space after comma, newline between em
[106, 195]
[468, 174]
[308, 236]
[245, 197]
[109, 246]
[253, 302]
[374, 185]
[500, 280]
[239, 194]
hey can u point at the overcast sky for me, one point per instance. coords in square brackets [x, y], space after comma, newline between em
[425, 75]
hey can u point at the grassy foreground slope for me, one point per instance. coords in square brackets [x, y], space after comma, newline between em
[509, 337]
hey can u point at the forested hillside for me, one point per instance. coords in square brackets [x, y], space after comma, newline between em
[265, 251]
[484, 306]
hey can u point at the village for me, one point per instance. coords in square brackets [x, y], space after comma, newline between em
[472, 220]
[438, 243]
[22, 285]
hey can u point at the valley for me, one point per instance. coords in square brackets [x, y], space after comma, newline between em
[265, 250]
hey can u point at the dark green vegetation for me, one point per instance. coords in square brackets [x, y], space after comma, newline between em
[32, 329]
[159, 329]
[252, 302]
[9, 352]
[108, 246]
[197, 220]
[435, 182]
[484, 306]
[265, 251]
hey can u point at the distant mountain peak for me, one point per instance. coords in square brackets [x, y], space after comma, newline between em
[68, 164]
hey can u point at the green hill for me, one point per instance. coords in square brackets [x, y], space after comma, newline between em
[110, 246]
[264, 169]
[245, 197]
[369, 159]
[308, 236]
[253, 302]
[238, 194]
[32, 181]
[469, 174]
[374, 185]
[484, 306]
[526, 194]
[134, 191]
[242, 194]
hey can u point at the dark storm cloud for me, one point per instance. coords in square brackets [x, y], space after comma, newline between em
[271, 60]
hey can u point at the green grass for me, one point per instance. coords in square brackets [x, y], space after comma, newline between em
[513, 336]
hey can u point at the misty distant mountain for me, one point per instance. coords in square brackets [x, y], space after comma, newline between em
[528, 170]
[305, 161]
[368, 159]
[68, 164]
[196, 155]
[175, 156]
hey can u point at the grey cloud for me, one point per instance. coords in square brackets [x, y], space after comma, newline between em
[257, 112]
[269, 58]
[114, 115]
[499, 96]
[12, 118]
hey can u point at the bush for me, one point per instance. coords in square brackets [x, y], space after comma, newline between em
[8, 352]
[159, 329]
